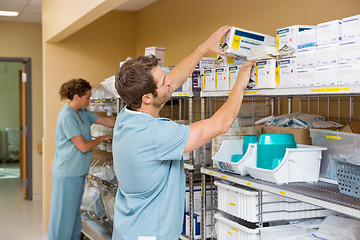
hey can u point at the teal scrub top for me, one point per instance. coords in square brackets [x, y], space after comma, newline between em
[147, 154]
[69, 161]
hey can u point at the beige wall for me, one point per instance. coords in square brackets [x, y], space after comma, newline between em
[9, 99]
[93, 53]
[179, 26]
[24, 40]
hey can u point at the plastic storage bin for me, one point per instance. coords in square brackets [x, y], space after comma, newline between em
[232, 147]
[338, 144]
[228, 229]
[348, 178]
[301, 164]
[243, 203]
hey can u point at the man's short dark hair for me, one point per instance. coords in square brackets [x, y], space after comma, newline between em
[133, 80]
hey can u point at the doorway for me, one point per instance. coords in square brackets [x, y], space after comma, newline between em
[15, 122]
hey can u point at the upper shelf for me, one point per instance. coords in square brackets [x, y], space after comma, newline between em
[349, 90]
[322, 194]
[183, 94]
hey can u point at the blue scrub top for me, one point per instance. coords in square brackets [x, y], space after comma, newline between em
[147, 154]
[69, 161]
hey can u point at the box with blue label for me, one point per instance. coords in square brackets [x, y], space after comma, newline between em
[328, 32]
[288, 73]
[197, 225]
[349, 73]
[221, 79]
[289, 36]
[306, 38]
[306, 77]
[351, 28]
[306, 57]
[326, 75]
[349, 51]
[238, 42]
[327, 54]
[233, 73]
[266, 74]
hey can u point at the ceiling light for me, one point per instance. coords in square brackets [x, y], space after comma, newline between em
[9, 13]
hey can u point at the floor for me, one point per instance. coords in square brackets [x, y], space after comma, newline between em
[19, 218]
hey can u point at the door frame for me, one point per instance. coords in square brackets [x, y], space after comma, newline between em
[28, 180]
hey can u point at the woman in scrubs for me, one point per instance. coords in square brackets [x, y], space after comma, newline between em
[72, 159]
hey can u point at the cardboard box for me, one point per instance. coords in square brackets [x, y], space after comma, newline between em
[233, 73]
[349, 51]
[349, 73]
[328, 32]
[327, 54]
[207, 79]
[205, 62]
[302, 136]
[306, 77]
[158, 52]
[352, 127]
[327, 75]
[238, 42]
[307, 38]
[289, 36]
[221, 79]
[266, 74]
[223, 61]
[351, 28]
[306, 57]
[288, 73]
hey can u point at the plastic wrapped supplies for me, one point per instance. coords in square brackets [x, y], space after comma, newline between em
[298, 120]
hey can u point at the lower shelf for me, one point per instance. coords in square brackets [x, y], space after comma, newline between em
[322, 194]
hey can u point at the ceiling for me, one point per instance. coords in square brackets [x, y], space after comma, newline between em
[30, 10]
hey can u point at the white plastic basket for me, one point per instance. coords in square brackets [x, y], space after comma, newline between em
[301, 164]
[231, 147]
[243, 203]
[228, 229]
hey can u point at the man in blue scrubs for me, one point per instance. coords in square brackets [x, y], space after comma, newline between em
[148, 149]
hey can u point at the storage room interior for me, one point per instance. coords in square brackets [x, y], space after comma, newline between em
[82, 39]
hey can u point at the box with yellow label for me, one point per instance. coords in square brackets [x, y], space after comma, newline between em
[289, 36]
[288, 73]
[221, 79]
[207, 79]
[238, 42]
[266, 74]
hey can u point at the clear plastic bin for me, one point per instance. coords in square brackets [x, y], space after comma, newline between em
[340, 145]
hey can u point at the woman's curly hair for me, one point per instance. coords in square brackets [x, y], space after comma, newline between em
[74, 87]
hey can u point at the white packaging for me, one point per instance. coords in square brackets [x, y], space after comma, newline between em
[349, 73]
[233, 73]
[187, 86]
[326, 75]
[307, 38]
[229, 61]
[288, 73]
[197, 198]
[328, 32]
[266, 74]
[306, 57]
[289, 35]
[206, 62]
[349, 51]
[327, 54]
[221, 79]
[207, 79]
[238, 42]
[306, 77]
[351, 28]
[158, 52]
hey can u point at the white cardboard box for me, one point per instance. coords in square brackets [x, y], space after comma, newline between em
[349, 73]
[349, 51]
[223, 61]
[326, 75]
[233, 73]
[266, 74]
[288, 73]
[207, 79]
[221, 79]
[328, 32]
[327, 54]
[238, 42]
[289, 35]
[206, 62]
[307, 38]
[306, 57]
[306, 76]
[158, 52]
[351, 28]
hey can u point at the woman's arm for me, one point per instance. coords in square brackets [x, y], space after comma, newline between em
[105, 121]
[84, 146]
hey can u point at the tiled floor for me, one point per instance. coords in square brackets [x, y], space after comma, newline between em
[19, 218]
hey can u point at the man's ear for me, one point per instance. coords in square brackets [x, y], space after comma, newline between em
[147, 98]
